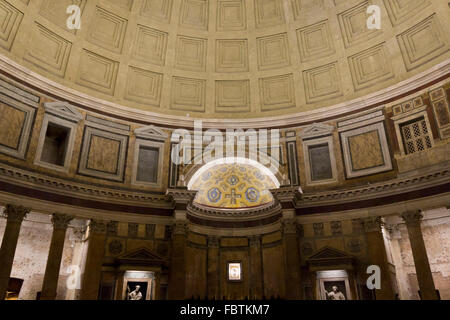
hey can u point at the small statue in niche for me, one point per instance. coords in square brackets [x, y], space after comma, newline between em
[136, 294]
[335, 294]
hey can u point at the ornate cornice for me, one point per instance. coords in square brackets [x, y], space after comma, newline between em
[14, 213]
[181, 196]
[223, 213]
[234, 218]
[66, 187]
[289, 197]
[433, 177]
[61, 221]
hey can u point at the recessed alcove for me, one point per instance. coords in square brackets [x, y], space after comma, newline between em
[55, 144]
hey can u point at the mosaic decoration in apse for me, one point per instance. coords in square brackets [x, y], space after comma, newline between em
[233, 186]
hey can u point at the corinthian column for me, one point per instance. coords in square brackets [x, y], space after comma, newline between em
[177, 276]
[50, 285]
[377, 255]
[292, 259]
[213, 267]
[94, 260]
[424, 276]
[14, 215]
[256, 277]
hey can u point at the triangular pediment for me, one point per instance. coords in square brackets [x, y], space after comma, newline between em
[151, 132]
[329, 253]
[64, 110]
[316, 129]
[141, 254]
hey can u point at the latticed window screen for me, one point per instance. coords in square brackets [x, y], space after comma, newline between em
[416, 135]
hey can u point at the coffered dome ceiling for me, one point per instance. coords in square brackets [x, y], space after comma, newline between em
[225, 58]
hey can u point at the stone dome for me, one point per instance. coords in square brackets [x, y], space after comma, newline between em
[223, 59]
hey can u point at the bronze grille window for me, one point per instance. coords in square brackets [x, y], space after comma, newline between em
[416, 135]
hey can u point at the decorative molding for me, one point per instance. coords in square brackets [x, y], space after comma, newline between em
[181, 196]
[64, 110]
[17, 122]
[433, 177]
[106, 124]
[78, 189]
[231, 15]
[10, 26]
[103, 162]
[318, 144]
[414, 54]
[65, 123]
[151, 132]
[366, 150]
[139, 143]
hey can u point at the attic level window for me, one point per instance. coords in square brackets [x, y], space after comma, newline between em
[148, 164]
[55, 144]
[416, 135]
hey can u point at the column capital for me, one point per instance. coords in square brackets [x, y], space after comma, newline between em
[61, 221]
[412, 217]
[181, 197]
[180, 228]
[393, 231]
[15, 213]
[97, 226]
[287, 196]
[289, 226]
[254, 241]
[372, 224]
[213, 242]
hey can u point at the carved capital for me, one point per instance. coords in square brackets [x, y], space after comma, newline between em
[289, 226]
[78, 234]
[61, 221]
[412, 218]
[15, 213]
[213, 242]
[181, 196]
[180, 228]
[112, 228]
[254, 241]
[97, 226]
[372, 224]
[394, 231]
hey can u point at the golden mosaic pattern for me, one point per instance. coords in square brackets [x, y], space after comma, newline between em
[365, 150]
[233, 186]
